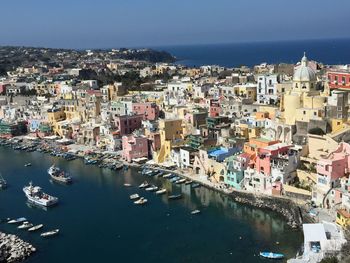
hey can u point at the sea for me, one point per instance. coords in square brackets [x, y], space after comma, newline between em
[99, 223]
[326, 51]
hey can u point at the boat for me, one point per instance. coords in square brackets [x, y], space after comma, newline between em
[188, 182]
[195, 212]
[58, 175]
[195, 185]
[161, 191]
[50, 233]
[35, 195]
[18, 220]
[25, 225]
[3, 183]
[180, 181]
[34, 228]
[127, 185]
[27, 164]
[141, 201]
[174, 197]
[144, 184]
[151, 188]
[271, 255]
[174, 179]
[168, 175]
[118, 166]
[134, 196]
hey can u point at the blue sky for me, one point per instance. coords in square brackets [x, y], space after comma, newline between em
[123, 23]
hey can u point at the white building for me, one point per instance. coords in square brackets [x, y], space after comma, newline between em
[267, 89]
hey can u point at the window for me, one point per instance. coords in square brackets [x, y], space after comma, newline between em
[304, 112]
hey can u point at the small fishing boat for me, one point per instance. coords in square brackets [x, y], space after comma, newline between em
[134, 196]
[58, 175]
[17, 221]
[50, 233]
[144, 184]
[180, 181]
[118, 166]
[25, 225]
[168, 175]
[127, 185]
[34, 228]
[161, 191]
[271, 255]
[174, 197]
[151, 188]
[195, 212]
[27, 164]
[188, 182]
[195, 185]
[3, 183]
[141, 201]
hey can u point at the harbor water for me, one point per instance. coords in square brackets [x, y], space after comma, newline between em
[99, 223]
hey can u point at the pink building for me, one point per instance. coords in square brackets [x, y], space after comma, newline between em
[149, 110]
[267, 154]
[126, 124]
[134, 147]
[214, 108]
[334, 166]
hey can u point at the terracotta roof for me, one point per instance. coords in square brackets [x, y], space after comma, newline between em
[344, 213]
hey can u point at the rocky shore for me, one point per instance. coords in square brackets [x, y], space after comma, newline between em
[14, 249]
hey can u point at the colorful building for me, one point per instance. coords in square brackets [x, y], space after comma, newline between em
[134, 147]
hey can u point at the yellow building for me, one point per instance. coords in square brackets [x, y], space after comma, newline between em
[246, 90]
[303, 102]
[343, 218]
[171, 134]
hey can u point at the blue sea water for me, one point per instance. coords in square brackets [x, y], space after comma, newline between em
[99, 223]
[329, 51]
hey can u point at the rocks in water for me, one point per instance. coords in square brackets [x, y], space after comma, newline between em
[14, 249]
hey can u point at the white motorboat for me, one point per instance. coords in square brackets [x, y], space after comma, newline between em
[25, 225]
[36, 196]
[161, 191]
[17, 221]
[180, 181]
[134, 196]
[152, 188]
[27, 164]
[141, 201]
[144, 184]
[127, 185]
[168, 175]
[195, 212]
[34, 228]
[50, 233]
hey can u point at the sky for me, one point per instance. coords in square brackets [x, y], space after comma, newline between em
[147, 23]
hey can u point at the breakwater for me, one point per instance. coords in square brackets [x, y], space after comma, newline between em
[14, 249]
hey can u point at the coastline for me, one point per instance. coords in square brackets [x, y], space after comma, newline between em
[295, 214]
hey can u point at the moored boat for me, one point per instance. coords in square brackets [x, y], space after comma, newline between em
[161, 191]
[134, 196]
[151, 188]
[25, 225]
[174, 197]
[188, 182]
[34, 228]
[141, 201]
[17, 221]
[50, 233]
[144, 184]
[271, 255]
[38, 197]
[168, 175]
[127, 185]
[195, 212]
[195, 185]
[27, 164]
[180, 181]
[3, 183]
[58, 175]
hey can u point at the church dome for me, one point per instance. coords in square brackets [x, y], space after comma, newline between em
[304, 72]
